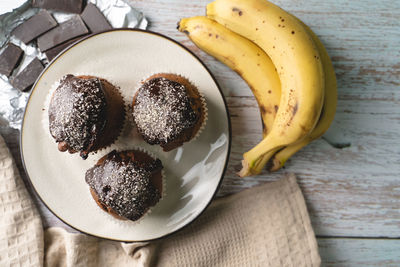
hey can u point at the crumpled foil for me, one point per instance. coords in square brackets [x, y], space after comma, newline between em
[12, 13]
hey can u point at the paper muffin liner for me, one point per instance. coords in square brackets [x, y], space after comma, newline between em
[129, 223]
[45, 114]
[202, 100]
[203, 124]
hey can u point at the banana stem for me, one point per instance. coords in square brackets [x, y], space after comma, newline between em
[245, 171]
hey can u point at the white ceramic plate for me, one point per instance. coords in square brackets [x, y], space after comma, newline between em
[192, 172]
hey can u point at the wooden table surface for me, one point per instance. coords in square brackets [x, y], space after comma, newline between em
[353, 192]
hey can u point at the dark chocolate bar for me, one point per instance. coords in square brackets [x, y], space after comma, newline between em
[35, 26]
[27, 77]
[10, 58]
[65, 31]
[69, 6]
[53, 52]
[94, 19]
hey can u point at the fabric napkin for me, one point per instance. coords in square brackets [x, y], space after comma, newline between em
[21, 230]
[266, 225]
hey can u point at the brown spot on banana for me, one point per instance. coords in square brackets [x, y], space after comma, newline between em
[264, 127]
[262, 109]
[296, 106]
[293, 110]
[235, 9]
[232, 63]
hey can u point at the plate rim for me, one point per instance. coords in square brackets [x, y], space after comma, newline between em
[220, 92]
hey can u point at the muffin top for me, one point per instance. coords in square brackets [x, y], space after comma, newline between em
[163, 110]
[77, 113]
[123, 182]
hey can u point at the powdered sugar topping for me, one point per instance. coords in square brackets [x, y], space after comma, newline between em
[77, 112]
[125, 185]
[162, 110]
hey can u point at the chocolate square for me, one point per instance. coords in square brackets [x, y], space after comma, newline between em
[94, 19]
[69, 6]
[10, 58]
[53, 52]
[27, 77]
[34, 26]
[65, 31]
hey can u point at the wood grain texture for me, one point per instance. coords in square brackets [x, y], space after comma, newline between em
[350, 192]
[344, 252]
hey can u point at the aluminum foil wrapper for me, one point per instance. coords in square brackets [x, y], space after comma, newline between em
[12, 13]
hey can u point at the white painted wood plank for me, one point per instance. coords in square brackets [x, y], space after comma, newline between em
[342, 252]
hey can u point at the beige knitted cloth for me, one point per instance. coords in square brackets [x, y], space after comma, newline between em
[21, 231]
[263, 226]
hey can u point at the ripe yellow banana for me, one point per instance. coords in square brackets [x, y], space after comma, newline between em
[241, 55]
[299, 67]
[328, 109]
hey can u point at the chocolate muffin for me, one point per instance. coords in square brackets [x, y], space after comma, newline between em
[86, 114]
[126, 184]
[168, 110]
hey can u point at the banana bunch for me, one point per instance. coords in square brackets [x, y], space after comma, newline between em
[285, 65]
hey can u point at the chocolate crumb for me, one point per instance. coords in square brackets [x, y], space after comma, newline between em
[77, 112]
[235, 9]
